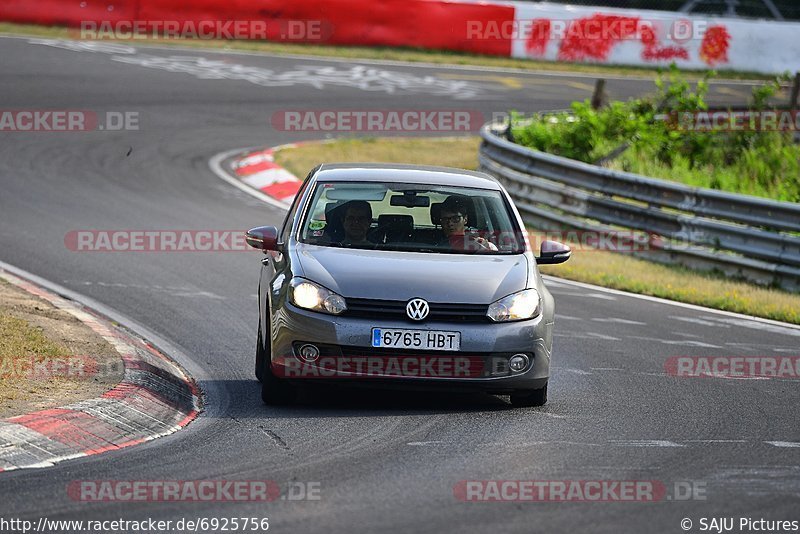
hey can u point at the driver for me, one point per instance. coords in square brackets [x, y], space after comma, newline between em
[356, 222]
[454, 222]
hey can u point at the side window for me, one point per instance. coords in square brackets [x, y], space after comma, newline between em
[287, 222]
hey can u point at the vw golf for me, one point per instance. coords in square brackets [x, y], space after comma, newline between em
[403, 276]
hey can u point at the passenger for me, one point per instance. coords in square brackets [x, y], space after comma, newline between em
[454, 222]
[356, 223]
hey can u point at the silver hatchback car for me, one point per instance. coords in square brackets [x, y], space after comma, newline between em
[403, 276]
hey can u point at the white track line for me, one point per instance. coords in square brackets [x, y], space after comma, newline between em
[669, 302]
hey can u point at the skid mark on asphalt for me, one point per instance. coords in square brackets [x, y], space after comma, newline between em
[174, 291]
[588, 335]
[709, 376]
[764, 327]
[759, 348]
[762, 481]
[617, 320]
[638, 443]
[275, 438]
[694, 320]
[681, 342]
[569, 370]
[645, 443]
[689, 343]
[600, 296]
[716, 441]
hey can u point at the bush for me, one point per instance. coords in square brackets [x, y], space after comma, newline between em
[638, 136]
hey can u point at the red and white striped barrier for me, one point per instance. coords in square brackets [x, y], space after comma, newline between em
[547, 31]
[259, 171]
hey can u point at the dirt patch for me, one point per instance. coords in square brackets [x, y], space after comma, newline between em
[48, 358]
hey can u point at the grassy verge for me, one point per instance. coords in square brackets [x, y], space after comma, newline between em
[377, 53]
[634, 136]
[21, 346]
[47, 357]
[602, 268]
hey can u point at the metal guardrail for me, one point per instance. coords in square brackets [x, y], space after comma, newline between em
[740, 235]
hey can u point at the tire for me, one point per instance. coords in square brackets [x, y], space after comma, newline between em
[274, 391]
[261, 354]
[536, 397]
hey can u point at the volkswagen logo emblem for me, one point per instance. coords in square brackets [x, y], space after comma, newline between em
[417, 309]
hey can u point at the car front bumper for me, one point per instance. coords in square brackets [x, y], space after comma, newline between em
[347, 355]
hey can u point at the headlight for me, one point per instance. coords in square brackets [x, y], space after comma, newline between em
[311, 296]
[515, 307]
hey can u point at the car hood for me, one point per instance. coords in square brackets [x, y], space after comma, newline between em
[391, 275]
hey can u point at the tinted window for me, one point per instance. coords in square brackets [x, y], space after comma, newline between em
[412, 217]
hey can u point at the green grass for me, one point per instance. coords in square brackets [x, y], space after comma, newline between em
[621, 271]
[633, 136]
[378, 53]
[20, 346]
[603, 268]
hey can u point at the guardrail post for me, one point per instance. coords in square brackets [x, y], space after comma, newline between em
[793, 103]
[599, 96]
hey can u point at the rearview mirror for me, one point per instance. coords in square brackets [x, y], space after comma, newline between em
[263, 238]
[410, 200]
[553, 252]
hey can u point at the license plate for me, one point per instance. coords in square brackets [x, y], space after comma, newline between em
[398, 338]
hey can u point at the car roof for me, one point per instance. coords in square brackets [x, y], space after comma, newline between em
[404, 173]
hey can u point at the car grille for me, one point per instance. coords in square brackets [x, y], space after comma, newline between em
[396, 309]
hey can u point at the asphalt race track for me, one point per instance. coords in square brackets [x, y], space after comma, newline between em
[384, 461]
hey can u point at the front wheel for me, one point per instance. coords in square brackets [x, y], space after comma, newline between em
[262, 354]
[536, 397]
[275, 391]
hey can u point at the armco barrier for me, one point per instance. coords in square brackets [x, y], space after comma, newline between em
[704, 229]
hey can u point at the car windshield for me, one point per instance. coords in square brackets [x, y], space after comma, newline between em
[411, 217]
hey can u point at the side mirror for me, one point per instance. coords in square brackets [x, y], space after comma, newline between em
[263, 238]
[553, 252]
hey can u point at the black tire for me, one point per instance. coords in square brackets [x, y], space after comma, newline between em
[275, 391]
[261, 354]
[536, 397]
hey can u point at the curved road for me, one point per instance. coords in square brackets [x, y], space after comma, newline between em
[384, 461]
